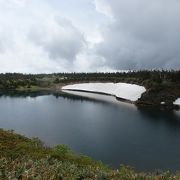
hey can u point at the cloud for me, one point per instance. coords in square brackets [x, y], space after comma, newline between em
[88, 61]
[88, 35]
[49, 36]
[144, 34]
[37, 40]
[103, 7]
[59, 38]
[1, 46]
[6, 41]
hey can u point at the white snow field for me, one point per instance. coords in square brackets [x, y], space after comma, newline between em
[126, 91]
[177, 102]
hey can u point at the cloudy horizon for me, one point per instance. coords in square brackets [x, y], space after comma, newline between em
[41, 36]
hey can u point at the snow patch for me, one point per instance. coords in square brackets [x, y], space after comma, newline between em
[177, 102]
[130, 92]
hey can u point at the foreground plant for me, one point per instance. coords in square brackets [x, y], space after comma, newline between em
[28, 159]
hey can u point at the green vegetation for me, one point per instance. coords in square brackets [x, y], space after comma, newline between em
[162, 86]
[29, 159]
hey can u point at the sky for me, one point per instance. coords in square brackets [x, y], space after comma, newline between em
[46, 36]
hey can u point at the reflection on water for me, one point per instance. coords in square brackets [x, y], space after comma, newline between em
[146, 139]
[171, 118]
[97, 97]
[177, 113]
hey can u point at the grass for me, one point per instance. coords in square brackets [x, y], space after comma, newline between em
[32, 88]
[29, 159]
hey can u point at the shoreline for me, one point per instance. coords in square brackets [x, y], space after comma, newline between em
[30, 158]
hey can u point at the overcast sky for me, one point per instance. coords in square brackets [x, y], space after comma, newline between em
[44, 36]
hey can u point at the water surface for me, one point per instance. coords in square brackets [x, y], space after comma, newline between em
[115, 133]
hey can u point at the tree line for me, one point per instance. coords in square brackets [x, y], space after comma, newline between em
[145, 77]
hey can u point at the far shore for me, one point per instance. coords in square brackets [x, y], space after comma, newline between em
[165, 99]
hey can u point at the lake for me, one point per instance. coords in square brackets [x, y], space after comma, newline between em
[113, 132]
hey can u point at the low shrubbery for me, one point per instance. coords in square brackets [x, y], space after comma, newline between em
[29, 159]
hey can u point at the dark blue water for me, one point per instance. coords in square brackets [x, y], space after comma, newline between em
[116, 134]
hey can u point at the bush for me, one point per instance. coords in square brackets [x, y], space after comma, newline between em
[61, 149]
